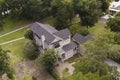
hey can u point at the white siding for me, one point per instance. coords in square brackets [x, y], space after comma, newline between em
[38, 41]
[69, 54]
[46, 45]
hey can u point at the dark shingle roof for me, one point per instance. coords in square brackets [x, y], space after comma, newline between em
[64, 34]
[69, 46]
[81, 39]
[78, 38]
[39, 30]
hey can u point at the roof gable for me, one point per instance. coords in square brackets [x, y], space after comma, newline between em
[78, 38]
[69, 46]
[64, 34]
[81, 39]
[39, 30]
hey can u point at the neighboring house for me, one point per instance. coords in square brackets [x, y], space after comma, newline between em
[47, 37]
[114, 7]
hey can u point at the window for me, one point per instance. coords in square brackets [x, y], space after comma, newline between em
[63, 56]
[56, 45]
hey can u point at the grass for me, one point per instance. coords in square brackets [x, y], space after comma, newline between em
[12, 24]
[15, 50]
[14, 35]
[98, 28]
[49, 21]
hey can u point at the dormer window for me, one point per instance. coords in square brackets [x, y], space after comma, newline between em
[56, 45]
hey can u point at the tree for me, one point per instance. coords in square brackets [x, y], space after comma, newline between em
[5, 64]
[77, 29]
[104, 5]
[93, 64]
[103, 46]
[29, 35]
[30, 50]
[61, 19]
[30, 9]
[75, 6]
[63, 13]
[89, 11]
[88, 76]
[49, 59]
[117, 38]
[70, 12]
[114, 24]
[1, 21]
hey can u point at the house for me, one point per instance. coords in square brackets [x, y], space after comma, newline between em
[114, 8]
[47, 37]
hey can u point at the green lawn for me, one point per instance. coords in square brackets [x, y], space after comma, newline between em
[16, 50]
[12, 24]
[14, 35]
[98, 28]
[49, 21]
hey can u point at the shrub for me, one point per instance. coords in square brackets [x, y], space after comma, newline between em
[84, 31]
[117, 38]
[30, 50]
[29, 35]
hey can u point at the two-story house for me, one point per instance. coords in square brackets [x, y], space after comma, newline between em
[47, 37]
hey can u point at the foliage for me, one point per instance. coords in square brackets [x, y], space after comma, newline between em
[103, 46]
[64, 14]
[30, 9]
[4, 64]
[104, 5]
[94, 64]
[75, 29]
[30, 50]
[88, 76]
[116, 0]
[29, 35]
[114, 24]
[49, 59]
[88, 10]
[55, 75]
[84, 31]
[1, 21]
[117, 38]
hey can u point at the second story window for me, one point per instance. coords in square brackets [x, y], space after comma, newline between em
[56, 45]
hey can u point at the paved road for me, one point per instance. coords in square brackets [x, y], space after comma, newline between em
[12, 41]
[15, 30]
[113, 63]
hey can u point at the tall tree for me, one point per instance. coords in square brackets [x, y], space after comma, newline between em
[114, 24]
[61, 17]
[104, 5]
[4, 64]
[89, 11]
[1, 21]
[49, 59]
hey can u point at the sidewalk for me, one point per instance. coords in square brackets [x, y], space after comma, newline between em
[12, 41]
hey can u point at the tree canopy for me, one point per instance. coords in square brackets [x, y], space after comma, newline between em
[49, 59]
[5, 64]
[88, 10]
[114, 24]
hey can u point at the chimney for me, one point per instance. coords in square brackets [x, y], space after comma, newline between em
[43, 40]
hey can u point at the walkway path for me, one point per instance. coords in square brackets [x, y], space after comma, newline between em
[11, 41]
[15, 30]
[113, 63]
